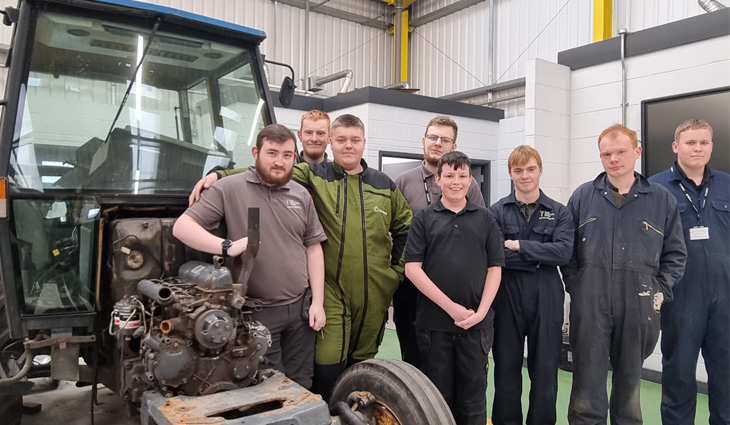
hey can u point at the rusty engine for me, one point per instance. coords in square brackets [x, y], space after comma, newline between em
[178, 327]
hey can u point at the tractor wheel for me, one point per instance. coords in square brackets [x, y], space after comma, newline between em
[391, 392]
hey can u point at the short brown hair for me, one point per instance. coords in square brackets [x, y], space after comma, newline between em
[617, 129]
[276, 133]
[315, 115]
[444, 121]
[348, 120]
[456, 160]
[692, 124]
[522, 155]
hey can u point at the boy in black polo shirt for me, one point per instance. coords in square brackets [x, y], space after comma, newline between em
[454, 256]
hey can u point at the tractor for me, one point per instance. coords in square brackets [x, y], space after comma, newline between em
[113, 109]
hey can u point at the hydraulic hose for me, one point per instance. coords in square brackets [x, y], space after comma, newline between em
[26, 367]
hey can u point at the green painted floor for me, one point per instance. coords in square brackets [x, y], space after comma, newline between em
[651, 392]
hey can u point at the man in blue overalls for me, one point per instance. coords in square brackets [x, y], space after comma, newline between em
[628, 254]
[538, 233]
[698, 318]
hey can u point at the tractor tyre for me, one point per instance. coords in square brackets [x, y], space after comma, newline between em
[402, 394]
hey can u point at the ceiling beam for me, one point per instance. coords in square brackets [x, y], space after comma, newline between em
[341, 14]
[444, 11]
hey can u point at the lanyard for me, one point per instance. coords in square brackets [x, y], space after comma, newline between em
[702, 205]
[425, 187]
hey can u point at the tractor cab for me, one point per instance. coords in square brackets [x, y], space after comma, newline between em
[110, 104]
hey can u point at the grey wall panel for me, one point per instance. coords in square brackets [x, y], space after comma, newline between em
[636, 15]
[448, 55]
[451, 54]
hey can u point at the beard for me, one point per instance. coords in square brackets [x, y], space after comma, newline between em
[266, 175]
[431, 159]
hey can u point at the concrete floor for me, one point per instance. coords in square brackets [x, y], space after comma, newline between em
[69, 405]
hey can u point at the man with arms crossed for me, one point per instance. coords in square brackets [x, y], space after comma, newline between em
[538, 233]
[290, 258]
[697, 318]
[420, 190]
[628, 254]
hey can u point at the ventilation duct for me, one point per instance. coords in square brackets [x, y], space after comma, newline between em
[316, 83]
[710, 5]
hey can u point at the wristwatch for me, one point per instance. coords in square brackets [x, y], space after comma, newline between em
[225, 245]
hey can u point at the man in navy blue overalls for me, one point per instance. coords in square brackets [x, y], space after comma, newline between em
[628, 254]
[698, 318]
[538, 233]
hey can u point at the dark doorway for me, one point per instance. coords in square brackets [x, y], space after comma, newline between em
[394, 163]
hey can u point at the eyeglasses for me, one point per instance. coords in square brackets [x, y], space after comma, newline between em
[444, 140]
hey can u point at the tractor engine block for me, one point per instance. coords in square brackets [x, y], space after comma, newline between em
[193, 339]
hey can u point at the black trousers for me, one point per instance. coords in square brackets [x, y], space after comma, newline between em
[457, 364]
[614, 321]
[697, 319]
[292, 341]
[404, 314]
[532, 310]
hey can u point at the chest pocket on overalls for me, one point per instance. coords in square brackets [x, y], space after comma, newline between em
[591, 242]
[648, 243]
[543, 230]
[511, 231]
[722, 212]
[687, 214]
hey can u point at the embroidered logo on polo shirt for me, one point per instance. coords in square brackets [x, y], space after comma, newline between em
[378, 210]
[546, 215]
[292, 204]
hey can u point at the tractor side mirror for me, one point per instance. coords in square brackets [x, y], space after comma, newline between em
[286, 93]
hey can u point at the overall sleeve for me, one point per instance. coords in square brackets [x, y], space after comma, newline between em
[302, 174]
[571, 268]
[674, 250]
[399, 225]
[512, 260]
[557, 252]
[230, 172]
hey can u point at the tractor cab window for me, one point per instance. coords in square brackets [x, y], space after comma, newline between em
[54, 240]
[130, 108]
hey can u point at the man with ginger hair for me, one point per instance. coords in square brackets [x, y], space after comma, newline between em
[314, 133]
[628, 254]
[698, 317]
[538, 233]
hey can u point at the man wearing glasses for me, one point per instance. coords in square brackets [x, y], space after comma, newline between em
[420, 190]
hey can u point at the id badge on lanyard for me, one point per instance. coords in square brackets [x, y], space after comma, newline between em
[699, 232]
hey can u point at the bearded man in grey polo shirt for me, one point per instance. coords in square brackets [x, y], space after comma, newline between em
[290, 259]
[420, 191]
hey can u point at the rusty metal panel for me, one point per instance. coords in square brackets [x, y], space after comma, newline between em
[276, 399]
